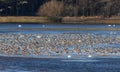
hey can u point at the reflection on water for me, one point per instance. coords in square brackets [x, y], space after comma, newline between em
[57, 26]
[12, 28]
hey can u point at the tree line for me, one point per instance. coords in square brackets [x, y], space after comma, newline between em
[106, 8]
[60, 8]
[20, 7]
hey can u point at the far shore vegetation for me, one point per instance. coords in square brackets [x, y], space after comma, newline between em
[81, 11]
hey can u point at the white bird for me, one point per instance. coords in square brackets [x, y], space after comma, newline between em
[109, 25]
[38, 36]
[69, 56]
[19, 25]
[89, 56]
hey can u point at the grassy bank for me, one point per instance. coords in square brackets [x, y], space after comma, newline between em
[24, 19]
[82, 20]
[91, 20]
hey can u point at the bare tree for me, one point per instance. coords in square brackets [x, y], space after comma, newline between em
[52, 8]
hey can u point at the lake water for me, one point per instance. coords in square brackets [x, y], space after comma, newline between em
[44, 28]
[19, 64]
[59, 65]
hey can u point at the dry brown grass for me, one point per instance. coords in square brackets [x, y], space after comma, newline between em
[24, 19]
[33, 19]
[91, 20]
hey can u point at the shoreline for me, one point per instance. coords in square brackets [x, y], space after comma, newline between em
[63, 20]
[61, 56]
